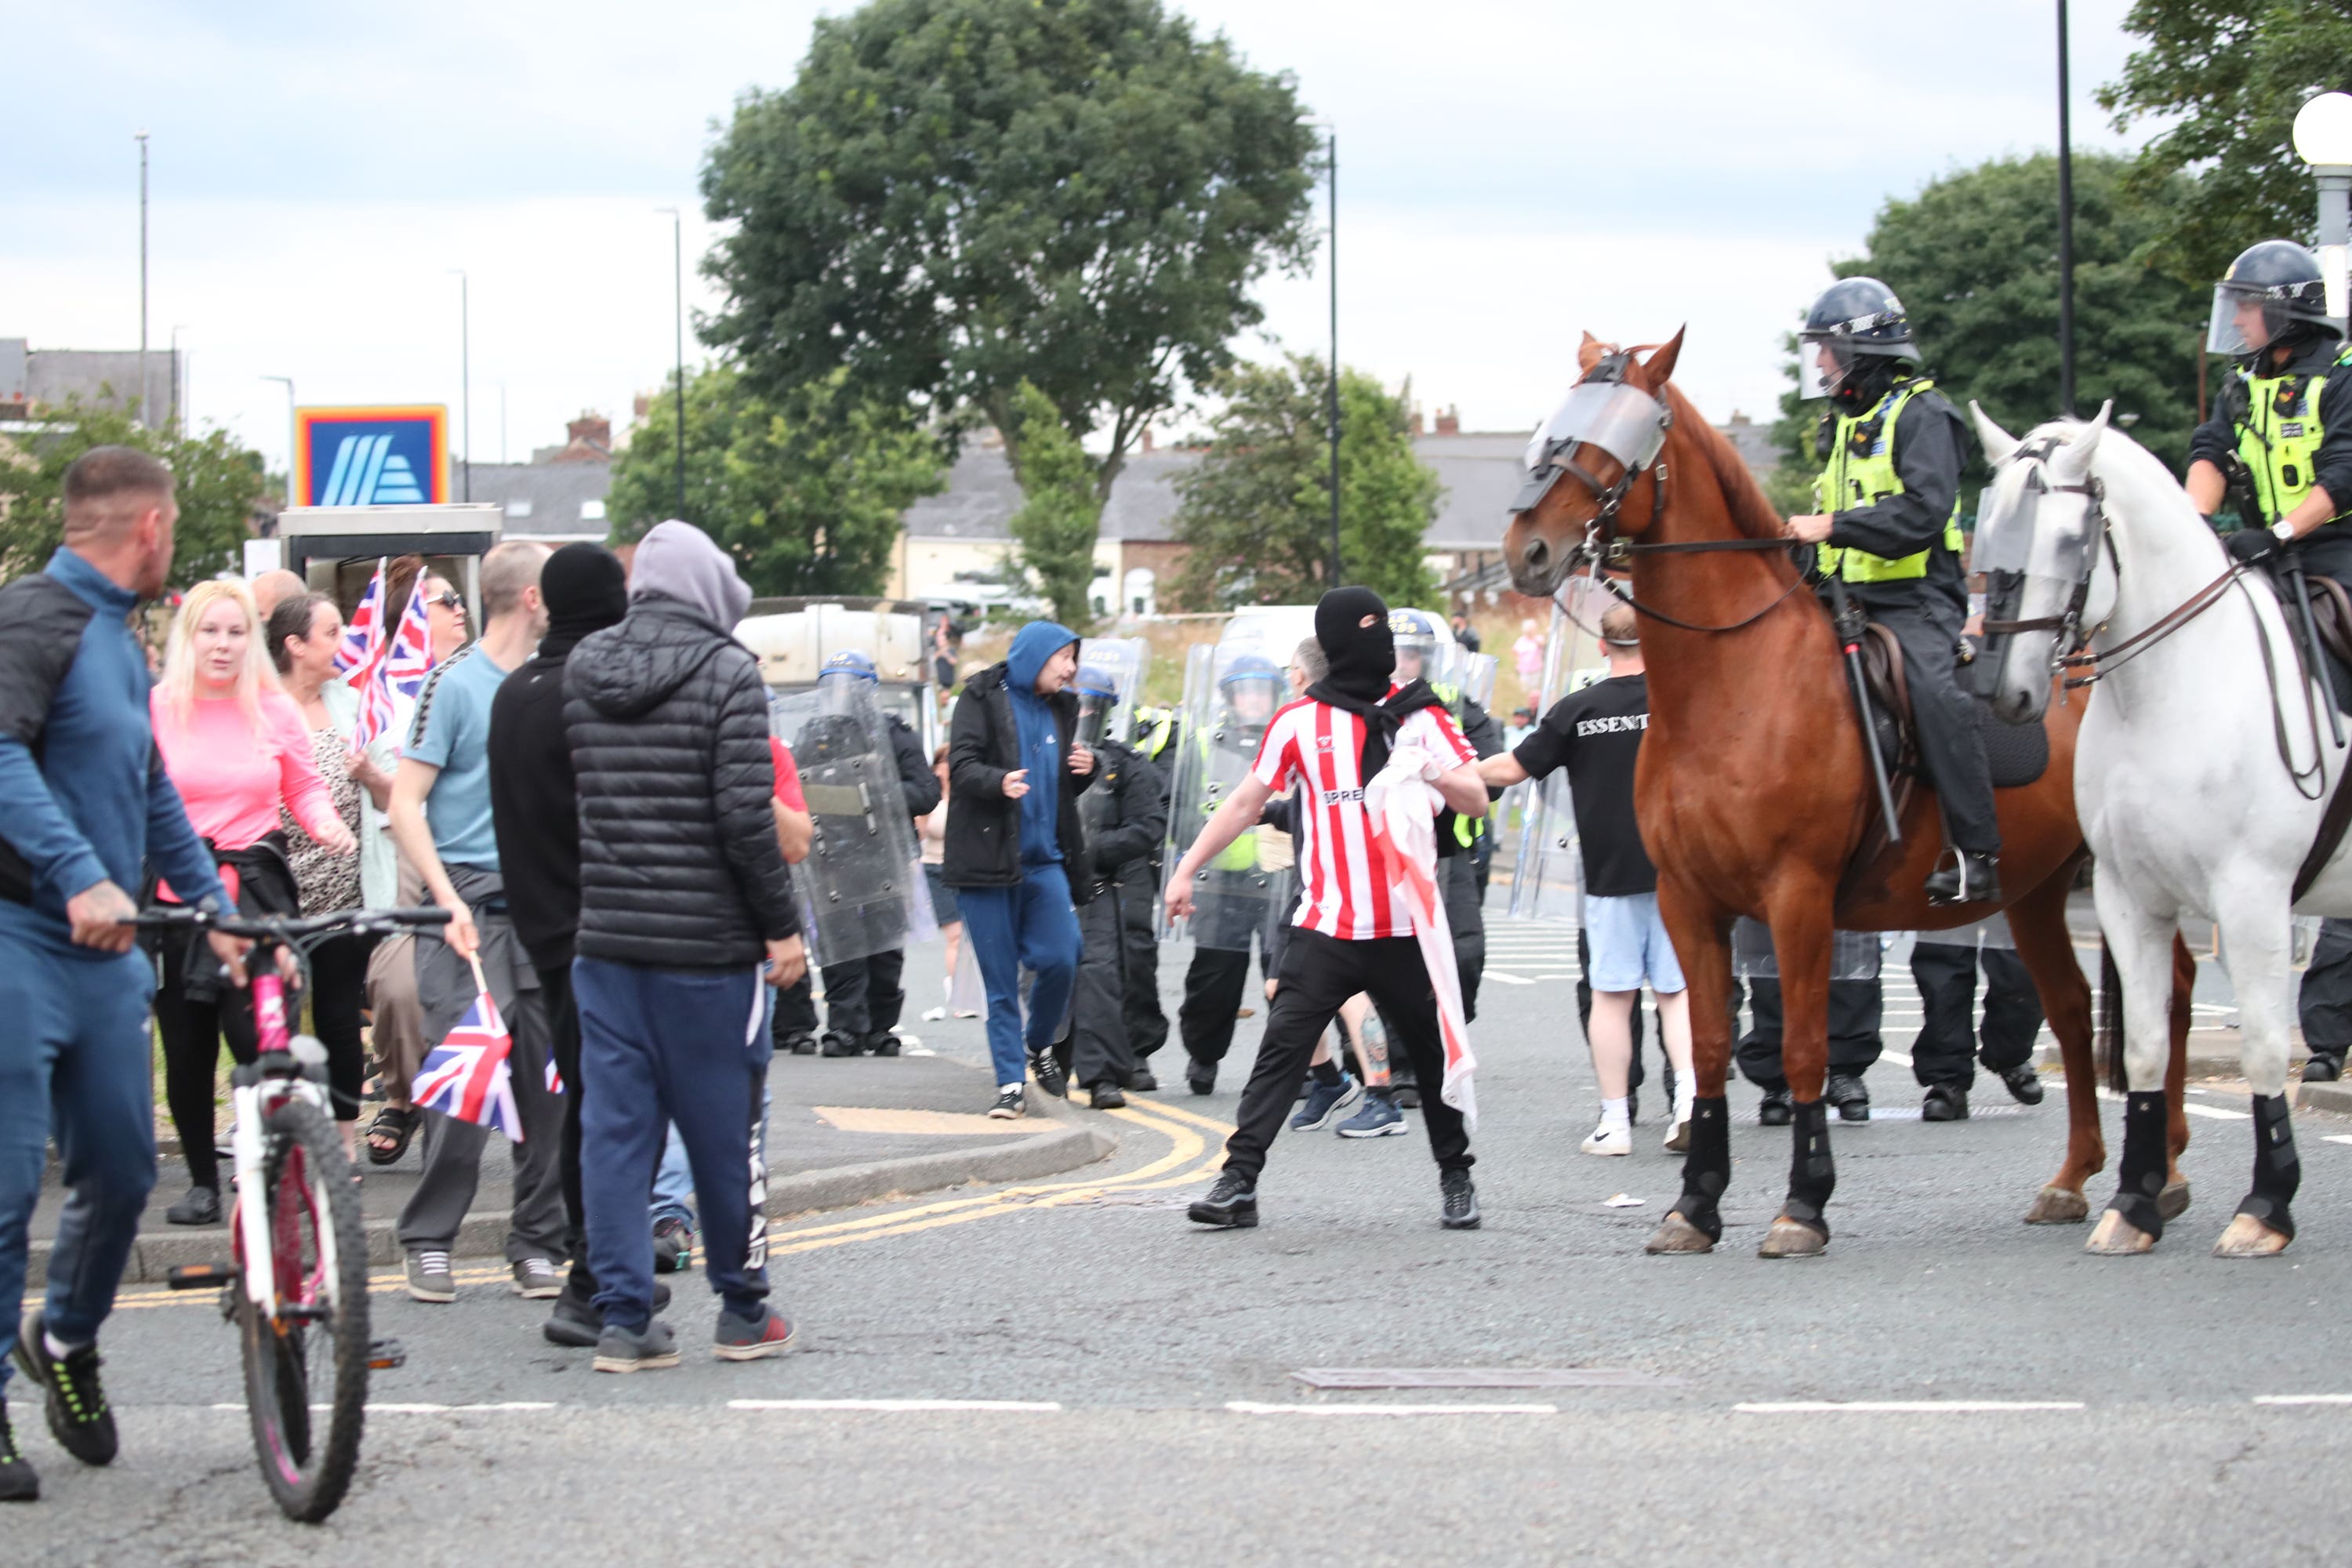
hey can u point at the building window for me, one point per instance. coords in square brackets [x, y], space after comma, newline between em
[1140, 590]
[518, 509]
[592, 511]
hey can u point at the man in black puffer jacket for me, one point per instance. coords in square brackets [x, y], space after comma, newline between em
[683, 892]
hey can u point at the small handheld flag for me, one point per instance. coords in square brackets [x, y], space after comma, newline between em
[467, 1076]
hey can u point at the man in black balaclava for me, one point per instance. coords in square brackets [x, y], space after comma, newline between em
[537, 816]
[1352, 932]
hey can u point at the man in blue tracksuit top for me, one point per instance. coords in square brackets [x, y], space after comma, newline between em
[83, 801]
[1013, 853]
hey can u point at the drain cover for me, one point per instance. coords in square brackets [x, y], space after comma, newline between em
[1482, 1377]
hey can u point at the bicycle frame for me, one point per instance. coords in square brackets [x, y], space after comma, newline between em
[256, 1091]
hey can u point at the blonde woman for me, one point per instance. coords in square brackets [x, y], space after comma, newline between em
[237, 749]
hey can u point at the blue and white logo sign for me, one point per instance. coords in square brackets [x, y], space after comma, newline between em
[372, 457]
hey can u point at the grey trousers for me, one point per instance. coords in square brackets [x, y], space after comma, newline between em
[453, 1149]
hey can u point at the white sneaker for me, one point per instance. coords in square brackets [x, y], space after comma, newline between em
[1678, 1136]
[1609, 1138]
[933, 1014]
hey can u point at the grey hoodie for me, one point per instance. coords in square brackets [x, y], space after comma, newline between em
[678, 561]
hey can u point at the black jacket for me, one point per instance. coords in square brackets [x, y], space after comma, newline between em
[678, 863]
[915, 774]
[1130, 807]
[535, 807]
[983, 841]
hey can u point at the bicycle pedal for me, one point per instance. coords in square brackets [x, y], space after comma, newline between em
[386, 1355]
[199, 1276]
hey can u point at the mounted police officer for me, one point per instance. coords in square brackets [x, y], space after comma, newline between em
[1124, 818]
[2280, 438]
[1889, 530]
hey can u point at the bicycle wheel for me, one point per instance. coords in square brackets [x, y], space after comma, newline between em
[312, 1349]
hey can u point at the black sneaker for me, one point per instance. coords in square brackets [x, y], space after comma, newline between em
[885, 1043]
[1780, 1107]
[1460, 1211]
[1945, 1102]
[673, 1244]
[577, 1324]
[1230, 1205]
[798, 1044]
[1848, 1093]
[201, 1206]
[79, 1418]
[1011, 1104]
[1048, 1074]
[1106, 1096]
[1199, 1076]
[837, 1044]
[1140, 1081]
[2026, 1085]
[17, 1481]
[650, 1349]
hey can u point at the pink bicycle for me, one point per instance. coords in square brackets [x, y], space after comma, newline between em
[295, 1284]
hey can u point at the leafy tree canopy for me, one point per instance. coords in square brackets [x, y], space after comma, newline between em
[1061, 513]
[806, 491]
[1256, 512]
[220, 487]
[1974, 258]
[2225, 78]
[958, 196]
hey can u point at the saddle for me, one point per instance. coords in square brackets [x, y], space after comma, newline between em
[2016, 755]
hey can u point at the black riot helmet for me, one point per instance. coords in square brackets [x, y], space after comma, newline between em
[2273, 294]
[1856, 324]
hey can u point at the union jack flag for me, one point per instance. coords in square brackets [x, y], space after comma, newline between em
[554, 1079]
[467, 1076]
[399, 670]
[363, 633]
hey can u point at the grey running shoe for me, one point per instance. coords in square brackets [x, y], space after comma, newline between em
[429, 1279]
[649, 1348]
[537, 1279]
[744, 1339]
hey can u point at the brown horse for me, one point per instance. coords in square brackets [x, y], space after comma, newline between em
[1754, 798]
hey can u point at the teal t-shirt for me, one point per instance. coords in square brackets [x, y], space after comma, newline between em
[451, 731]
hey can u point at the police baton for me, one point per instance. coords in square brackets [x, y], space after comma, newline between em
[2293, 559]
[1848, 624]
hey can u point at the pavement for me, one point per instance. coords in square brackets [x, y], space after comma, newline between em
[1062, 1370]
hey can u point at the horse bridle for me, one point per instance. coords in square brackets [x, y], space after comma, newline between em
[2073, 636]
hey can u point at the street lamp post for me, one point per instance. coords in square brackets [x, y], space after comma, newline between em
[678, 275]
[292, 499]
[1331, 193]
[466, 381]
[2323, 138]
[2065, 229]
[140, 137]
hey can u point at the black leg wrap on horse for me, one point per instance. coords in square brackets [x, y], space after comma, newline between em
[1706, 1169]
[1812, 1175]
[2141, 1176]
[2278, 1170]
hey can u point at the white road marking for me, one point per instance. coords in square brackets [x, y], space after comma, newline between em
[1254, 1408]
[888, 1407]
[1904, 1407]
[2303, 1398]
[376, 1409]
[1507, 979]
[2335, 1138]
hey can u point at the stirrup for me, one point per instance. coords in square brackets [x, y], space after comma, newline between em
[1949, 884]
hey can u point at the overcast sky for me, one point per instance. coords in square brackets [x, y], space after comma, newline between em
[1510, 173]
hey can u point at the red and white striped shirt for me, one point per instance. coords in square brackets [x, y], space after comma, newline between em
[1345, 889]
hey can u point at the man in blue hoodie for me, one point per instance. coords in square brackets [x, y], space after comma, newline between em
[1014, 852]
[83, 801]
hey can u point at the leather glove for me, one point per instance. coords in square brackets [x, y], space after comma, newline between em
[2249, 545]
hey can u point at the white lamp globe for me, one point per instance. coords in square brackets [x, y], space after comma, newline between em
[2323, 129]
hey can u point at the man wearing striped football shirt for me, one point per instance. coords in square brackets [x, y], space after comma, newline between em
[1353, 931]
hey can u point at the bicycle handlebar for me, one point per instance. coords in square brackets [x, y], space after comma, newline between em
[287, 929]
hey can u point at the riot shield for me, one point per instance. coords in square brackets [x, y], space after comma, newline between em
[1224, 718]
[1548, 880]
[1127, 659]
[861, 888]
[1853, 954]
[1478, 684]
[1991, 932]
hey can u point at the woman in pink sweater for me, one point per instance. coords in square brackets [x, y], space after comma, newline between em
[236, 748]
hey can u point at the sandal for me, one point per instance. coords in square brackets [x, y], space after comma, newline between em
[397, 1122]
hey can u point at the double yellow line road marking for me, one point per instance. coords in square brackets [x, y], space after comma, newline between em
[1194, 1146]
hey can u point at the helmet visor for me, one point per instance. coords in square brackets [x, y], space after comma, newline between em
[2244, 321]
[1821, 368]
[1095, 710]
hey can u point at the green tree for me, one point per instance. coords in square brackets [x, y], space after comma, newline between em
[1061, 512]
[220, 487]
[2225, 78]
[804, 492]
[1974, 258]
[955, 197]
[1256, 512]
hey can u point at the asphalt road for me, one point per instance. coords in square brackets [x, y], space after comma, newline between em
[1135, 1381]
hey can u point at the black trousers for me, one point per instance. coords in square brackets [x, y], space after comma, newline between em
[1317, 973]
[338, 993]
[1100, 1051]
[1467, 923]
[1146, 1022]
[191, 1032]
[1948, 1047]
[1928, 628]
[564, 1044]
[1855, 1009]
[1212, 996]
[2325, 1001]
[795, 1013]
[863, 996]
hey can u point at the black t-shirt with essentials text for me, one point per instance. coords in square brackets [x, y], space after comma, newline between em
[1596, 735]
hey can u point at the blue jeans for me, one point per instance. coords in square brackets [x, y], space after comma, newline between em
[74, 1063]
[662, 1046]
[1030, 925]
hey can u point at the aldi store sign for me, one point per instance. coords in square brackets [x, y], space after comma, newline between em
[372, 457]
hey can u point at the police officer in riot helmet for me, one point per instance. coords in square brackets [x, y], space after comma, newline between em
[1888, 526]
[2281, 432]
[1124, 818]
[1250, 689]
[863, 996]
[1418, 634]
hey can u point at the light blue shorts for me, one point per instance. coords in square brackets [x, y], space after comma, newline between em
[1629, 945]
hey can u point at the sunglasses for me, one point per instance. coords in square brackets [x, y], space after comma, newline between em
[449, 601]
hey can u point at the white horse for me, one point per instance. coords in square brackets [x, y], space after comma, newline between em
[2202, 770]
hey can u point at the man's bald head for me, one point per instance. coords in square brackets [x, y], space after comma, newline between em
[272, 589]
[119, 512]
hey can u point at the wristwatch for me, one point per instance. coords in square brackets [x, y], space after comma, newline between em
[2283, 531]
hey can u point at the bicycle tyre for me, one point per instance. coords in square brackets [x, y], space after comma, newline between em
[313, 1214]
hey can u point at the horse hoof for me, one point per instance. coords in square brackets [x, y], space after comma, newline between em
[1675, 1234]
[2115, 1237]
[2058, 1206]
[1789, 1238]
[2173, 1201]
[2249, 1238]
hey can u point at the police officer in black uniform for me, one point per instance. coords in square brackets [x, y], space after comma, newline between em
[2280, 439]
[1889, 529]
[1124, 817]
[1157, 731]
